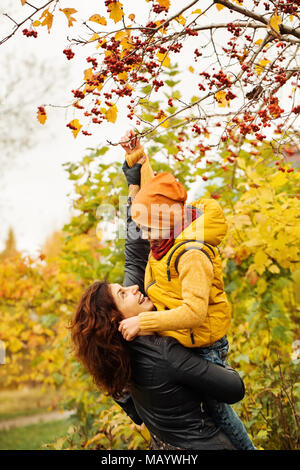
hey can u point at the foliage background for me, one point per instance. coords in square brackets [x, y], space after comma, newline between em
[258, 189]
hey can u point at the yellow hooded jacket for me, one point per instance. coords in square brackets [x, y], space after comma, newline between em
[186, 284]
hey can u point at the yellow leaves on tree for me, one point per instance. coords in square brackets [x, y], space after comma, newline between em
[115, 11]
[274, 23]
[124, 38]
[181, 19]
[221, 99]
[164, 59]
[164, 3]
[41, 115]
[111, 113]
[48, 19]
[271, 239]
[261, 66]
[69, 12]
[98, 19]
[75, 126]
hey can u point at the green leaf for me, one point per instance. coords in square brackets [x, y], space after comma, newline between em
[172, 83]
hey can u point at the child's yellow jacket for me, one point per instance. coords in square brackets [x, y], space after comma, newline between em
[188, 290]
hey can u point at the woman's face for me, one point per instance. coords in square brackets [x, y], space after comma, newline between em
[129, 300]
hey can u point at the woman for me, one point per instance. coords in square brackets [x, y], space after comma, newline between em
[166, 384]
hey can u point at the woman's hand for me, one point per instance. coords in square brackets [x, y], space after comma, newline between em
[130, 328]
[130, 142]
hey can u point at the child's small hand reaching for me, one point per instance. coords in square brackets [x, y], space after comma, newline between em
[129, 327]
[130, 142]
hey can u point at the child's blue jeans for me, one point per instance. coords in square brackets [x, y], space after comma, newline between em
[222, 413]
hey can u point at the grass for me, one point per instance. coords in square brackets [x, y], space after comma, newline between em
[31, 437]
[27, 402]
[30, 401]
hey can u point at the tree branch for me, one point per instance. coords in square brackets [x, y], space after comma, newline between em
[250, 14]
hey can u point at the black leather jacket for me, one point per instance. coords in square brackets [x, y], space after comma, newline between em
[169, 381]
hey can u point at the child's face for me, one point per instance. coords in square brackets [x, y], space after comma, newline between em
[155, 233]
[129, 300]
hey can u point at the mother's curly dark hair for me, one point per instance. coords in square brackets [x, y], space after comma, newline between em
[98, 344]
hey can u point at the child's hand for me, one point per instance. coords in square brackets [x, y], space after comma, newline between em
[130, 142]
[130, 328]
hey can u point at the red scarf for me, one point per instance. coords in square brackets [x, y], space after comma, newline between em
[160, 247]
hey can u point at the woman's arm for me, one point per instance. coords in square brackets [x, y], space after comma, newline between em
[136, 248]
[185, 367]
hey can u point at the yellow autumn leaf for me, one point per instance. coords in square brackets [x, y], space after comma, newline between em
[111, 113]
[98, 19]
[131, 16]
[36, 23]
[275, 22]
[76, 124]
[164, 59]
[220, 97]
[41, 115]
[100, 43]
[219, 6]
[163, 116]
[260, 259]
[116, 11]
[23, 2]
[180, 19]
[261, 65]
[197, 11]
[164, 3]
[274, 269]
[48, 19]
[123, 76]
[94, 37]
[258, 42]
[88, 74]
[120, 35]
[69, 12]
[15, 345]
[191, 69]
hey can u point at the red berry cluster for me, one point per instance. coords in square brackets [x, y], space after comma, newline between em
[41, 110]
[296, 109]
[234, 29]
[86, 133]
[176, 47]
[69, 53]
[190, 31]
[93, 61]
[74, 128]
[78, 94]
[159, 9]
[157, 84]
[197, 54]
[29, 33]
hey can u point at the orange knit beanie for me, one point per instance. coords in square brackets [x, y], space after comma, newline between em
[160, 202]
